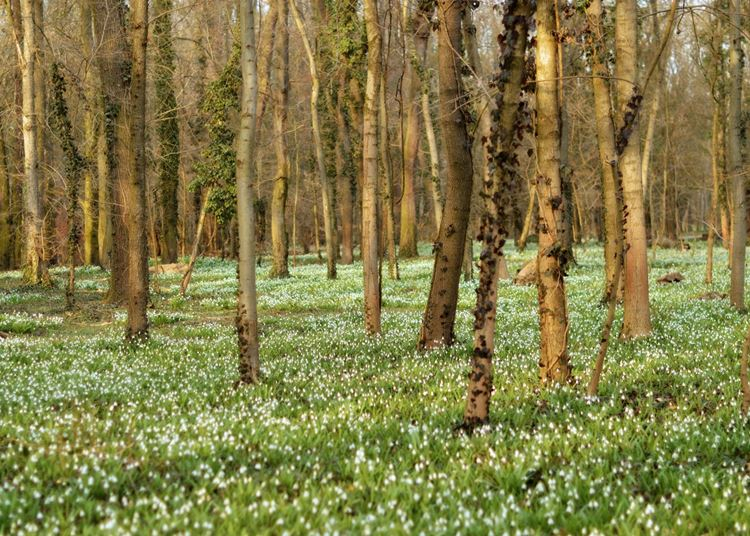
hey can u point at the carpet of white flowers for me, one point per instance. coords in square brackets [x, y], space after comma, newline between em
[347, 434]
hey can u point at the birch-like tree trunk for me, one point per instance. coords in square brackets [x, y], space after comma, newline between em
[247, 314]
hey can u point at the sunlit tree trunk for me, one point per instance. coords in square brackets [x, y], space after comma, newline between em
[734, 159]
[6, 243]
[279, 237]
[370, 216]
[435, 182]
[167, 129]
[440, 313]
[326, 186]
[247, 315]
[637, 317]
[501, 145]
[417, 35]
[553, 315]
[35, 269]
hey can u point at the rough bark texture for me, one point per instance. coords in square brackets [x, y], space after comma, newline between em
[551, 259]
[501, 145]
[247, 313]
[370, 216]
[386, 164]
[440, 313]
[637, 317]
[417, 36]
[345, 172]
[279, 237]
[734, 160]
[167, 129]
[135, 192]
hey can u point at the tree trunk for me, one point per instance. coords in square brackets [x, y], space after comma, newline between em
[501, 147]
[247, 316]
[440, 313]
[6, 229]
[345, 171]
[279, 237]
[717, 138]
[734, 159]
[553, 317]
[35, 270]
[387, 178]
[370, 216]
[605, 133]
[417, 35]
[88, 203]
[196, 244]
[637, 318]
[326, 186]
[167, 129]
[435, 182]
[135, 193]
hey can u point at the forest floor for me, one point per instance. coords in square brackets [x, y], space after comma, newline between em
[354, 435]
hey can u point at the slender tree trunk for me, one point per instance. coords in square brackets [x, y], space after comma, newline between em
[35, 270]
[187, 276]
[88, 203]
[734, 159]
[247, 316]
[6, 230]
[104, 150]
[528, 219]
[345, 172]
[440, 313]
[279, 237]
[167, 129]
[387, 178]
[605, 133]
[417, 36]
[326, 186]
[637, 318]
[135, 194]
[553, 315]
[370, 216]
[435, 182]
[717, 137]
[501, 146]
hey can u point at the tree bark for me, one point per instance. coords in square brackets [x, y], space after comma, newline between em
[370, 216]
[734, 160]
[440, 313]
[551, 259]
[167, 129]
[279, 237]
[501, 146]
[247, 315]
[637, 317]
[135, 193]
[6, 230]
[345, 171]
[326, 186]
[88, 203]
[417, 35]
[35, 269]
[435, 182]
[387, 178]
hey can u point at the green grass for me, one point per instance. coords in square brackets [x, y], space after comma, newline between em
[354, 435]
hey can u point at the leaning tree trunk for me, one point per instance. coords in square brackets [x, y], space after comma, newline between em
[370, 216]
[605, 133]
[167, 129]
[417, 36]
[501, 146]
[551, 259]
[435, 183]
[326, 186]
[135, 192]
[247, 315]
[279, 237]
[35, 270]
[637, 318]
[734, 160]
[440, 313]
